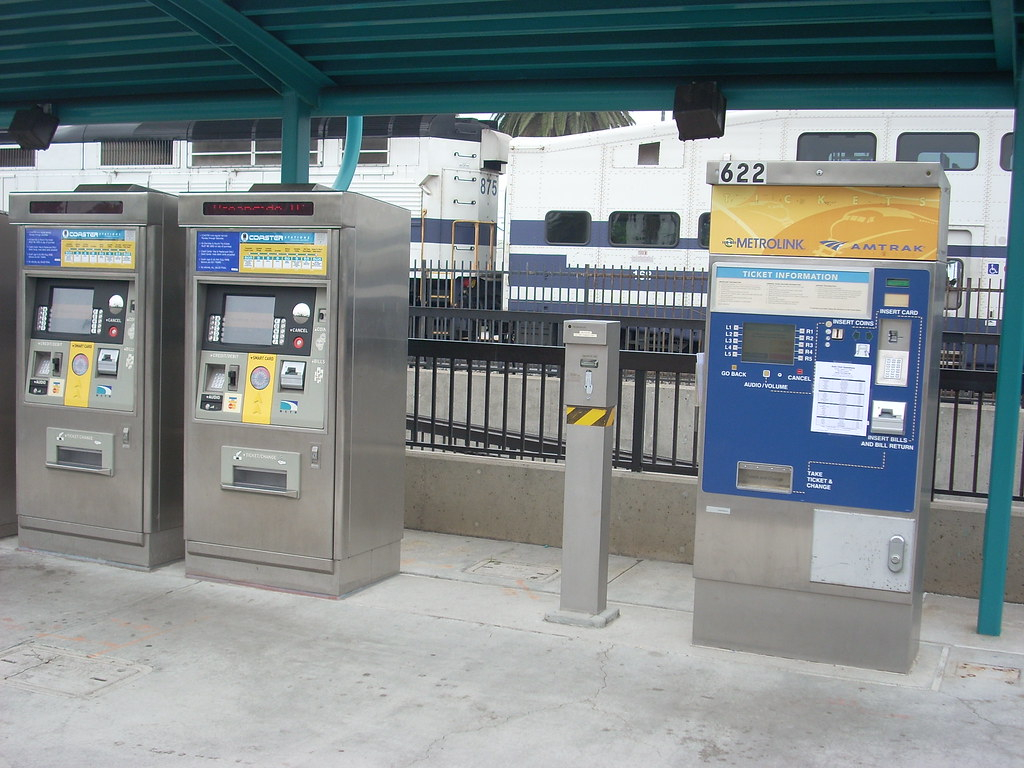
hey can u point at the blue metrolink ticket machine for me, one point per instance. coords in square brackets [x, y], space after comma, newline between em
[824, 324]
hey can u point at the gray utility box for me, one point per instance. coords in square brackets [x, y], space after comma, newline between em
[297, 345]
[8, 301]
[100, 360]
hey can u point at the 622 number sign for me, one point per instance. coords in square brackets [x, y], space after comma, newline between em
[742, 173]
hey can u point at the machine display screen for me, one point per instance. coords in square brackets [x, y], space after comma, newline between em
[258, 208]
[71, 311]
[76, 206]
[248, 320]
[768, 343]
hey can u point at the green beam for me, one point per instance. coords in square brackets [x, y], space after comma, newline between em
[996, 546]
[294, 140]
[924, 92]
[1004, 33]
[249, 44]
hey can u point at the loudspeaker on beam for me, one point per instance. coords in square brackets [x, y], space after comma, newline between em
[699, 111]
[33, 128]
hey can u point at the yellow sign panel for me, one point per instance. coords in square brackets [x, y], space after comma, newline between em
[836, 222]
[282, 258]
[79, 373]
[259, 388]
[101, 254]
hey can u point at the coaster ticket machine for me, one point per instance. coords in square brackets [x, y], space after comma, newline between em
[8, 301]
[824, 323]
[99, 419]
[295, 441]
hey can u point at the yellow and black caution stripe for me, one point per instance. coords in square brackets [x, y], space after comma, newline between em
[583, 416]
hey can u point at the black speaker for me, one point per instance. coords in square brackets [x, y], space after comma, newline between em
[33, 128]
[699, 111]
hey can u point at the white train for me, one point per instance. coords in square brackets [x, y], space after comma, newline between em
[606, 222]
[444, 169]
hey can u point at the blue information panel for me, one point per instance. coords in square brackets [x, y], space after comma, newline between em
[815, 406]
[290, 252]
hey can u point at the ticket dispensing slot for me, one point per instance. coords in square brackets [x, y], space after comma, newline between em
[774, 478]
[80, 451]
[259, 471]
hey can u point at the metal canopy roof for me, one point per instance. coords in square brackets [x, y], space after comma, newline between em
[108, 61]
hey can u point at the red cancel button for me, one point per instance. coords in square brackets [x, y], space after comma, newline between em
[299, 342]
[113, 330]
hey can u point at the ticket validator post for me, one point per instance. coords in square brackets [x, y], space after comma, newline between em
[297, 347]
[99, 416]
[824, 325]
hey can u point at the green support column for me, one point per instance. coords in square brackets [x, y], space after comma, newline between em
[295, 140]
[1008, 390]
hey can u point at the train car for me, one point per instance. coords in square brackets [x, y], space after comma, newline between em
[444, 169]
[607, 222]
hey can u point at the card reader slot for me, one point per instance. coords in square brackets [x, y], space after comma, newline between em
[259, 481]
[80, 460]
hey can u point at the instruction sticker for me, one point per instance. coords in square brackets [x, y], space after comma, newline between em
[840, 403]
[78, 247]
[269, 253]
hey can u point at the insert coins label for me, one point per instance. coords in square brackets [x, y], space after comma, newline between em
[583, 416]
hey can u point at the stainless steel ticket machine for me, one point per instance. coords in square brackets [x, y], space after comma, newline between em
[824, 323]
[295, 440]
[100, 328]
[8, 301]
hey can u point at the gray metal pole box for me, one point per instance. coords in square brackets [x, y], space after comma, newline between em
[297, 345]
[99, 417]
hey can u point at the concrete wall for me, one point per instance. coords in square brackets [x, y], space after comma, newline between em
[652, 515]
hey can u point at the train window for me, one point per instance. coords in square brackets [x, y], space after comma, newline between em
[1006, 152]
[244, 152]
[649, 154]
[955, 151]
[15, 157]
[633, 228]
[567, 227]
[373, 150]
[836, 146]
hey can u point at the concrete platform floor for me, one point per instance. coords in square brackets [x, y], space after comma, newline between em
[450, 663]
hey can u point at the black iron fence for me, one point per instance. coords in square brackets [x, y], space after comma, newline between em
[505, 400]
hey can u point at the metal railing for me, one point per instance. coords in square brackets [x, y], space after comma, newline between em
[505, 400]
[661, 310]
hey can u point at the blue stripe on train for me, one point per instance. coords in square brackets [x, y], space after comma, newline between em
[550, 271]
[440, 231]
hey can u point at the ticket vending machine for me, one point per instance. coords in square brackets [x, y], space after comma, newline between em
[295, 438]
[8, 301]
[824, 323]
[100, 358]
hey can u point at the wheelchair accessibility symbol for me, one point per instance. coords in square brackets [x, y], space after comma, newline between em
[992, 269]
